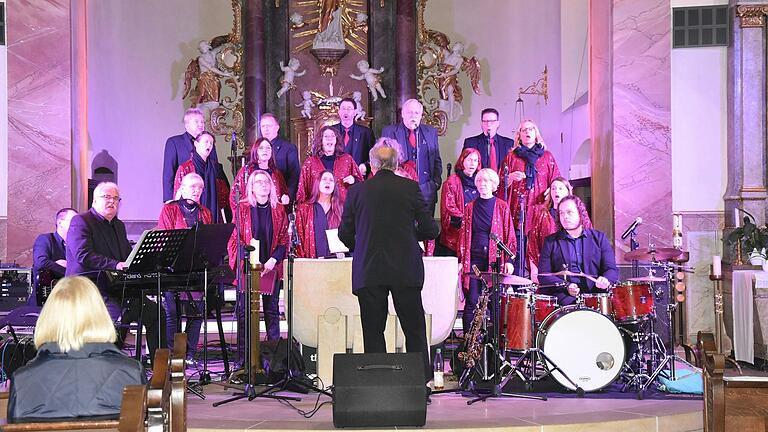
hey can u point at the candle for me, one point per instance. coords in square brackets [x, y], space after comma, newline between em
[737, 220]
[717, 269]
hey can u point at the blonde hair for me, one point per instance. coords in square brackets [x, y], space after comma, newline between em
[250, 197]
[186, 180]
[539, 138]
[490, 175]
[73, 315]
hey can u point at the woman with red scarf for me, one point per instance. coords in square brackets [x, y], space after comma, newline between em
[484, 216]
[458, 191]
[322, 212]
[531, 169]
[216, 188]
[185, 212]
[262, 218]
[327, 154]
[260, 158]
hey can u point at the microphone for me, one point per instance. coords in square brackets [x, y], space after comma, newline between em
[292, 234]
[501, 245]
[448, 168]
[234, 142]
[632, 227]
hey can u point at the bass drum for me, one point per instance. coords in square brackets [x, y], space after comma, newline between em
[585, 344]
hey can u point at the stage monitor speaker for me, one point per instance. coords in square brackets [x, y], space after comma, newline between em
[376, 390]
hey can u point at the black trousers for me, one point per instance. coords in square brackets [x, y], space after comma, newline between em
[140, 310]
[410, 312]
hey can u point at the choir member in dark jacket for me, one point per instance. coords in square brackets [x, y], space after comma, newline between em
[286, 153]
[178, 149]
[357, 139]
[457, 192]
[78, 371]
[97, 241]
[183, 213]
[545, 221]
[484, 216]
[49, 254]
[264, 219]
[216, 190]
[577, 249]
[260, 157]
[327, 154]
[322, 212]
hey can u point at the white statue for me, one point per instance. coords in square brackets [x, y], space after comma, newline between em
[332, 36]
[297, 21]
[290, 72]
[359, 113]
[371, 77]
[447, 79]
[207, 73]
[306, 104]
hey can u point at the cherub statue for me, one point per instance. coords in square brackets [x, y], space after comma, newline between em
[297, 21]
[306, 104]
[447, 82]
[290, 73]
[370, 75]
[359, 112]
[205, 70]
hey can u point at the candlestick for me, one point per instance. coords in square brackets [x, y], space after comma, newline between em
[737, 219]
[717, 268]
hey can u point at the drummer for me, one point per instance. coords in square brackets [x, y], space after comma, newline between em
[577, 250]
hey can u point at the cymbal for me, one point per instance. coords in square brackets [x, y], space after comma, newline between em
[657, 254]
[647, 279]
[504, 278]
[568, 273]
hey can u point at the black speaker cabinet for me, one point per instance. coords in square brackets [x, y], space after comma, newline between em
[373, 390]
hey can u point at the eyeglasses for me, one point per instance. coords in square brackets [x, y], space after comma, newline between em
[262, 182]
[528, 129]
[110, 198]
[489, 120]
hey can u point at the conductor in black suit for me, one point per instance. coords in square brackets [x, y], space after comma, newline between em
[178, 149]
[97, 241]
[285, 153]
[357, 138]
[384, 219]
[492, 146]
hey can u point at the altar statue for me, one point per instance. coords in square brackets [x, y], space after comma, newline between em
[208, 75]
[371, 77]
[290, 73]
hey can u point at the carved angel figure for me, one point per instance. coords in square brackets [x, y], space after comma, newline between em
[371, 77]
[306, 104]
[447, 79]
[290, 73]
[332, 36]
[358, 98]
[208, 75]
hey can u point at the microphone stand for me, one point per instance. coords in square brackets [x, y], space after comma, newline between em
[521, 238]
[633, 245]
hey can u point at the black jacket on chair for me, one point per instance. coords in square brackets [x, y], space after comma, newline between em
[59, 385]
[384, 219]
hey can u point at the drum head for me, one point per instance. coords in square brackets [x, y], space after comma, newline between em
[586, 345]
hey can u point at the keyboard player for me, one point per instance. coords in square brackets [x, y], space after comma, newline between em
[97, 241]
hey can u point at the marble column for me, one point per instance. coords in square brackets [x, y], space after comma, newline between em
[79, 44]
[405, 50]
[39, 121]
[630, 99]
[746, 187]
[254, 61]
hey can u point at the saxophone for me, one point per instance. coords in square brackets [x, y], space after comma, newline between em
[474, 338]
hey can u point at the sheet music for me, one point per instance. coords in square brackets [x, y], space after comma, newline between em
[135, 249]
[334, 244]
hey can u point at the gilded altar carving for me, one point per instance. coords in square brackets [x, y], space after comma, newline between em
[439, 66]
[751, 15]
[219, 63]
[329, 21]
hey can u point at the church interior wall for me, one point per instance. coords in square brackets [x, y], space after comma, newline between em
[3, 146]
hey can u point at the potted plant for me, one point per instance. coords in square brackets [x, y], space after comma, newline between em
[752, 238]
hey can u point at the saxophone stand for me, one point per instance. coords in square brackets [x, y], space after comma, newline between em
[498, 383]
[289, 380]
[251, 364]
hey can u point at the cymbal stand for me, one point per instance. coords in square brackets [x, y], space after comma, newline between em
[498, 383]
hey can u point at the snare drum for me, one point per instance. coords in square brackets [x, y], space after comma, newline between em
[586, 345]
[600, 302]
[515, 308]
[632, 302]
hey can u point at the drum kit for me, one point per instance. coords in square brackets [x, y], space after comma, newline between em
[588, 345]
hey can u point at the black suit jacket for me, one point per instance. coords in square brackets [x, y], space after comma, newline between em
[480, 142]
[360, 141]
[286, 156]
[48, 249]
[384, 219]
[429, 166]
[599, 260]
[94, 244]
[178, 149]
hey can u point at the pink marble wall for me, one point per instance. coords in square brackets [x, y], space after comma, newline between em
[39, 161]
[639, 115]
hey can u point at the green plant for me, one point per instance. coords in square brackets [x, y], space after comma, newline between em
[749, 234]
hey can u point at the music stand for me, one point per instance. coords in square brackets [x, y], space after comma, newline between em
[157, 251]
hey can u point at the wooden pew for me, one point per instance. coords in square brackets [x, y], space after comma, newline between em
[178, 417]
[737, 403]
